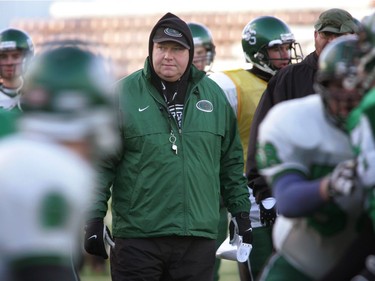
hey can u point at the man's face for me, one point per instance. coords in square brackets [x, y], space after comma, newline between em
[279, 55]
[323, 38]
[342, 100]
[170, 60]
[11, 64]
[200, 57]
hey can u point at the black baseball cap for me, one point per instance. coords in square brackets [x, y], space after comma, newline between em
[164, 34]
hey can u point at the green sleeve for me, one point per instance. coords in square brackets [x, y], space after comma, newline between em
[233, 182]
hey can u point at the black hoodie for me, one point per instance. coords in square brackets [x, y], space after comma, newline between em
[172, 21]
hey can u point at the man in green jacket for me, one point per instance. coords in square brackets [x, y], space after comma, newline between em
[180, 151]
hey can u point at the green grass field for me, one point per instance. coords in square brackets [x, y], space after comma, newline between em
[228, 272]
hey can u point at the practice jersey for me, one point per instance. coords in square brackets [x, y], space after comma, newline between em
[44, 191]
[361, 125]
[243, 91]
[9, 98]
[296, 137]
[8, 121]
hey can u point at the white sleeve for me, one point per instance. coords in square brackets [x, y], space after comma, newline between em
[279, 147]
[229, 88]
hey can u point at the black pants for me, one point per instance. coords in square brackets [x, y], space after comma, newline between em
[163, 259]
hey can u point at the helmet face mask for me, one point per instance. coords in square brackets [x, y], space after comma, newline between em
[339, 101]
[339, 80]
[202, 38]
[12, 40]
[263, 33]
[279, 55]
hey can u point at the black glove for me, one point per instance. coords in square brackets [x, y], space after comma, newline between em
[367, 274]
[267, 211]
[96, 234]
[260, 189]
[342, 179]
[240, 224]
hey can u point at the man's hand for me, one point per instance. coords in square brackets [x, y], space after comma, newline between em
[240, 224]
[96, 234]
[267, 208]
[260, 189]
[342, 180]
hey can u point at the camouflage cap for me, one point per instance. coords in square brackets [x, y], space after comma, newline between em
[336, 21]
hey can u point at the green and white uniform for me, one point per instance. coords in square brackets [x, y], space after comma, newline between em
[297, 138]
[10, 109]
[9, 98]
[46, 190]
[361, 125]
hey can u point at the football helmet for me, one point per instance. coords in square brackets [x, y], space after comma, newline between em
[338, 65]
[367, 45]
[67, 97]
[15, 39]
[202, 37]
[262, 33]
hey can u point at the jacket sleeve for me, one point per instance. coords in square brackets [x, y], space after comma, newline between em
[106, 169]
[233, 182]
[106, 172]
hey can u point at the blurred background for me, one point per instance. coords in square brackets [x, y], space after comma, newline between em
[120, 28]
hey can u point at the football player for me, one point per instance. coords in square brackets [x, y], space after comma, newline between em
[361, 127]
[16, 51]
[65, 127]
[268, 44]
[204, 47]
[311, 172]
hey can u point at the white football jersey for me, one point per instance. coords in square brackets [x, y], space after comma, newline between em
[229, 88]
[296, 135]
[44, 189]
[8, 102]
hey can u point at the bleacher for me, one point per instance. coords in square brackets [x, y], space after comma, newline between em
[124, 39]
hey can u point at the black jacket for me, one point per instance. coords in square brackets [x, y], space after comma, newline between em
[293, 81]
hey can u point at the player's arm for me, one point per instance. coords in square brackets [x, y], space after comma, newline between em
[297, 196]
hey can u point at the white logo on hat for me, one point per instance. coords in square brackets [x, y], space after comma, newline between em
[172, 32]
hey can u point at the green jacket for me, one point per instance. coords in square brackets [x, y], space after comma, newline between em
[158, 192]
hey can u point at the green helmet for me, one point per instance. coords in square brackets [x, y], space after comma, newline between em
[339, 60]
[203, 37]
[67, 96]
[264, 32]
[15, 39]
[338, 63]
